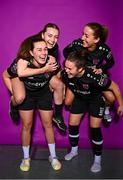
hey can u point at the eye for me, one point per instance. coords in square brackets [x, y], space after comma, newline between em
[50, 35]
[56, 37]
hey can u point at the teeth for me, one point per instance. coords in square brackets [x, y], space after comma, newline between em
[50, 44]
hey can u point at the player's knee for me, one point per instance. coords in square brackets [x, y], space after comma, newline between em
[67, 101]
[110, 99]
[19, 99]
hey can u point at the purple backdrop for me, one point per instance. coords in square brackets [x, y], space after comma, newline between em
[20, 19]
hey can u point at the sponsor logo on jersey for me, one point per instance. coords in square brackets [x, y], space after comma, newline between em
[85, 86]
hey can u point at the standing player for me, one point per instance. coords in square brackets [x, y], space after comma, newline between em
[87, 88]
[50, 34]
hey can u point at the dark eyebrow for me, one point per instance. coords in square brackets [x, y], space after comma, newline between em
[49, 33]
[38, 48]
[86, 34]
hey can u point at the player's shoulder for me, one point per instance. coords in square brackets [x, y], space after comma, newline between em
[103, 47]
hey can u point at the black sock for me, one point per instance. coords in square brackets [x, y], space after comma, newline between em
[74, 135]
[97, 140]
[58, 109]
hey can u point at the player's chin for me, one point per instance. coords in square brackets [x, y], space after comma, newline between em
[42, 62]
[50, 46]
[70, 76]
[84, 45]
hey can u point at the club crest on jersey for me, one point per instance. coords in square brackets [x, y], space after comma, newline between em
[47, 75]
[95, 61]
[105, 81]
[85, 86]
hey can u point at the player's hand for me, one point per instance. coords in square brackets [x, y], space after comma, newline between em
[97, 71]
[50, 67]
[120, 110]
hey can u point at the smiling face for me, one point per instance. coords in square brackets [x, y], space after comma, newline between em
[51, 37]
[89, 40]
[72, 70]
[39, 53]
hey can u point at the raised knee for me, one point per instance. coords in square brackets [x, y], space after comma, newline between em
[19, 99]
[110, 99]
[56, 83]
[59, 84]
[109, 96]
[67, 102]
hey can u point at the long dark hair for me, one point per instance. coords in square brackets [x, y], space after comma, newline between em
[26, 46]
[100, 31]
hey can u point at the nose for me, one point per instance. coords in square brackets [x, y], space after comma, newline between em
[82, 37]
[44, 53]
[67, 70]
[53, 39]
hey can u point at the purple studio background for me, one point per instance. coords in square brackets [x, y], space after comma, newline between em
[20, 19]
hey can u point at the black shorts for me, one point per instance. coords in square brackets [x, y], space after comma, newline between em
[94, 106]
[42, 102]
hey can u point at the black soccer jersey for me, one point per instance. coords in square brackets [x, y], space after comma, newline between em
[101, 57]
[36, 82]
[88, 85]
